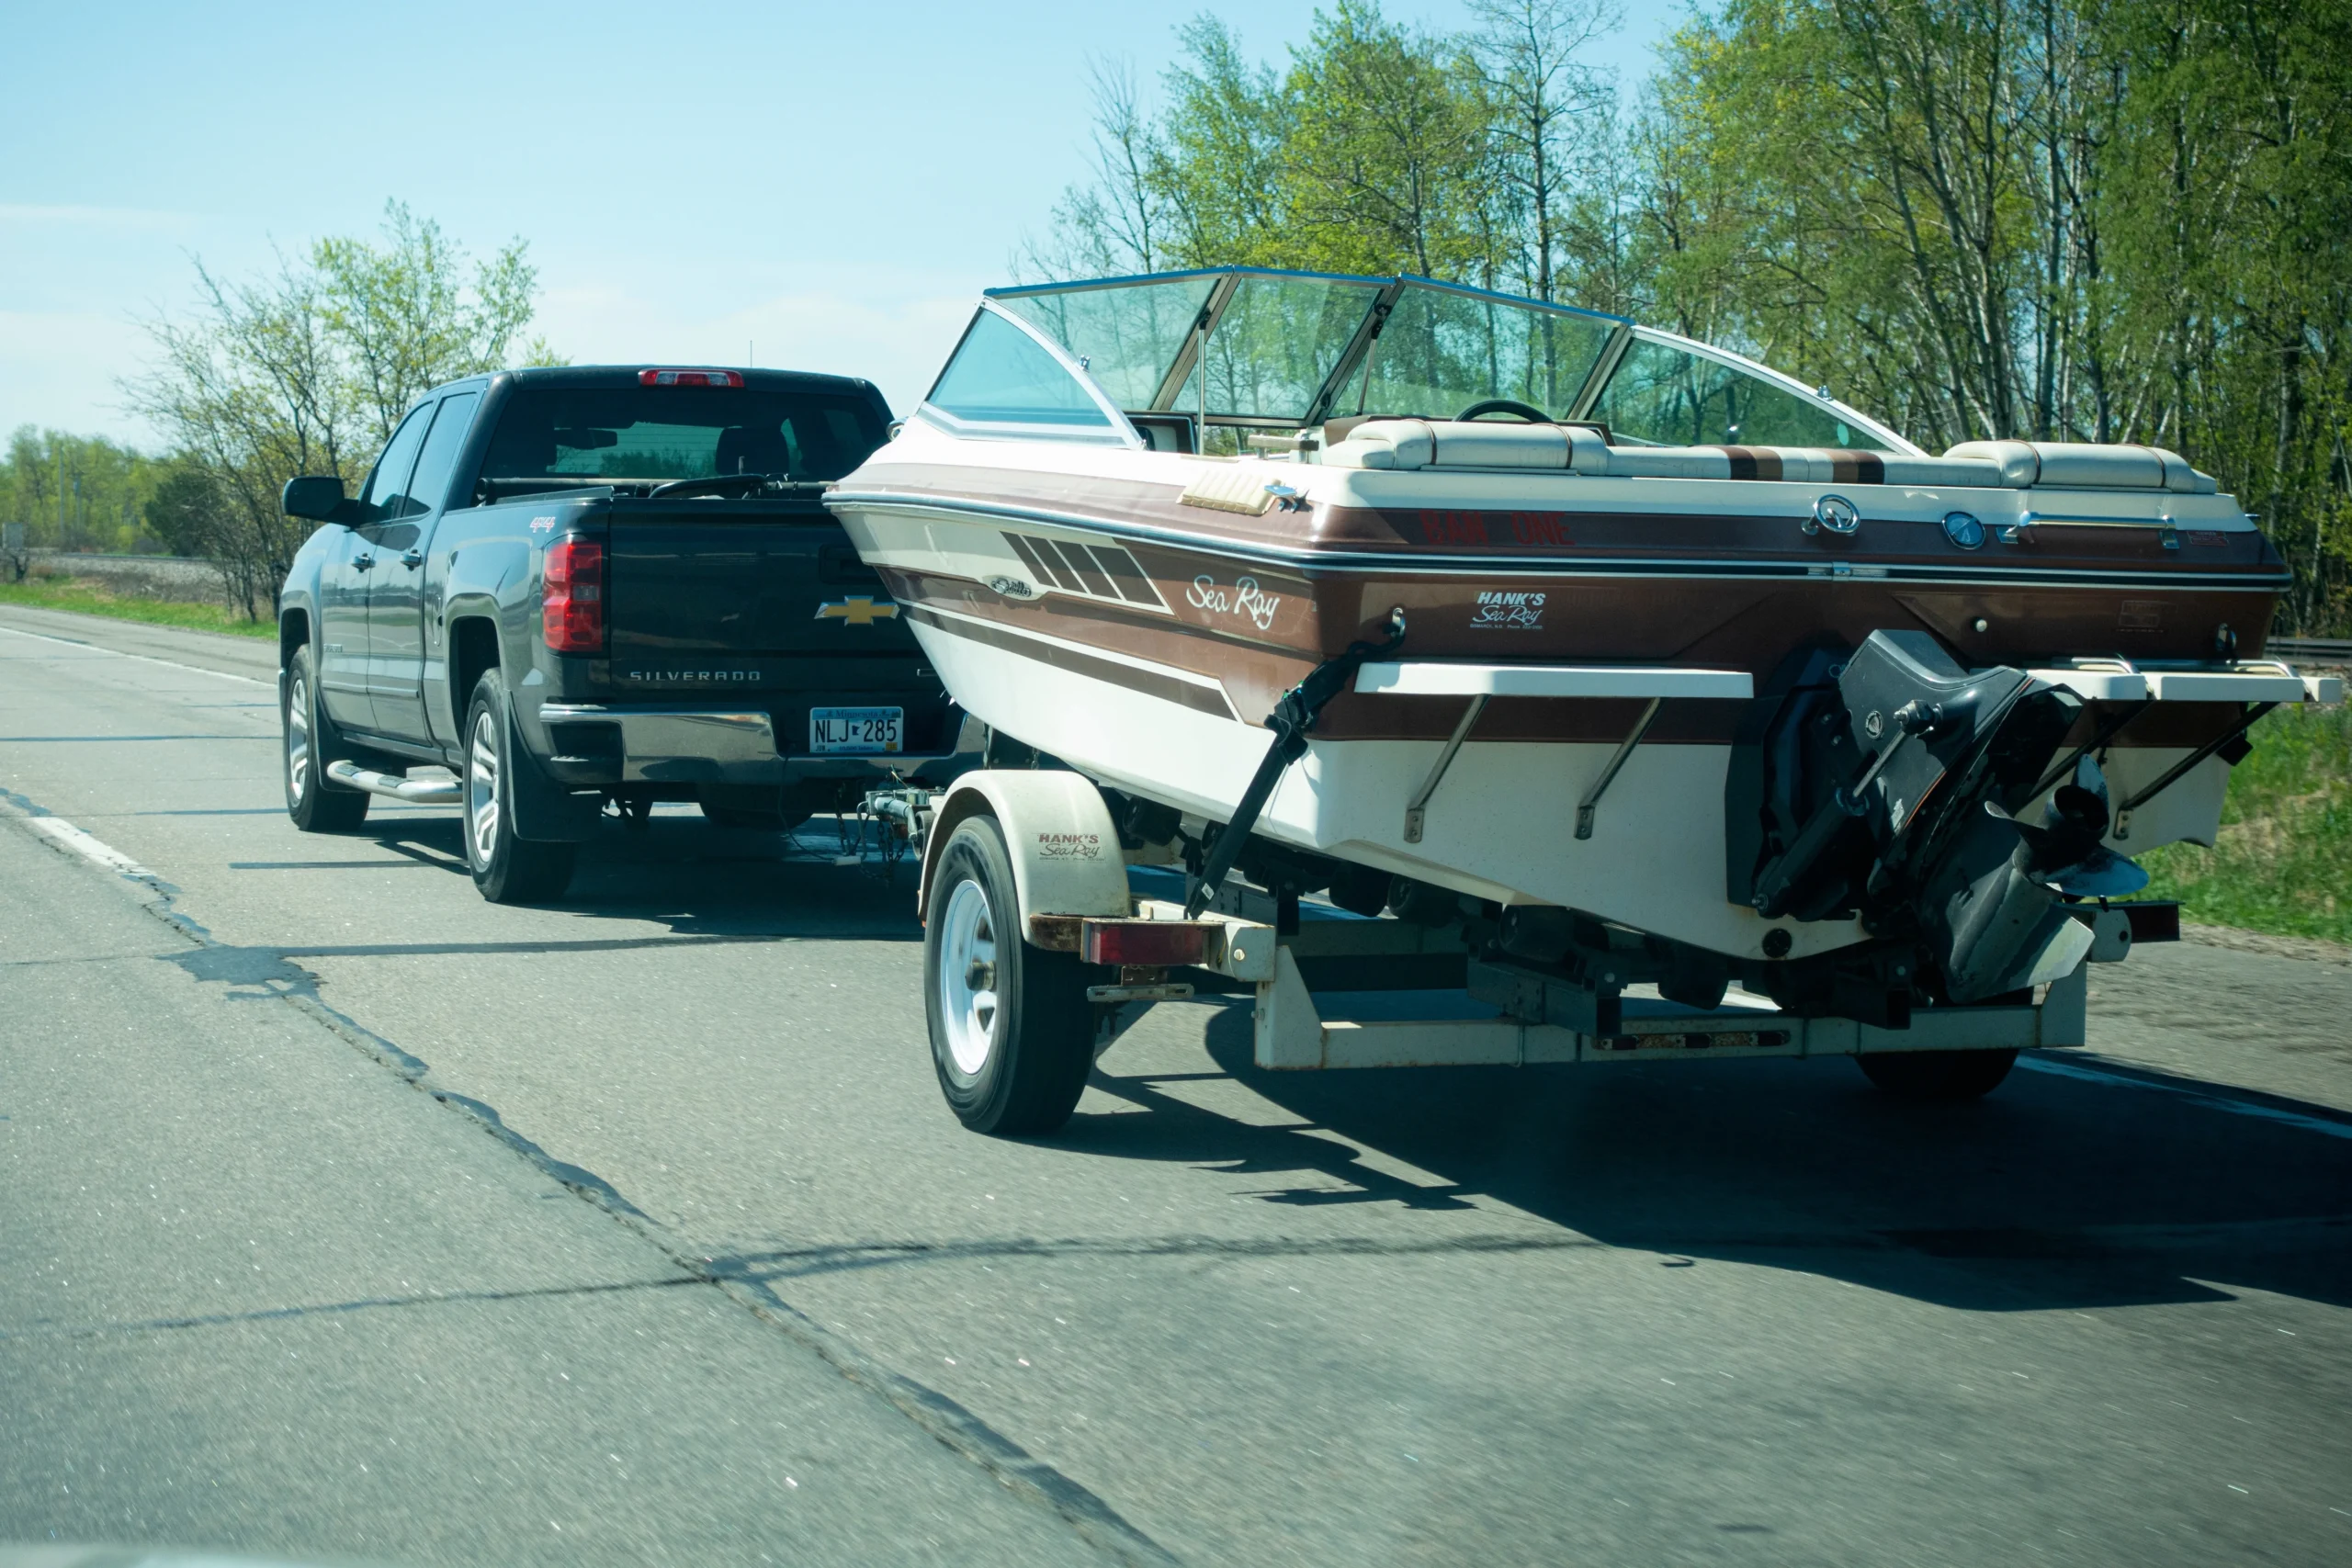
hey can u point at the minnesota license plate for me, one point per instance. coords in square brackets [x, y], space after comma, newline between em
[857, 731]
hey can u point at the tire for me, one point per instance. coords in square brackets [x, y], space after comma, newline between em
[1938, 1075]
[316, 804]
[506, 869]
[1011, 1032]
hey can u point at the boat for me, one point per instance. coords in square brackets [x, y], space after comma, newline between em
[1571, 626]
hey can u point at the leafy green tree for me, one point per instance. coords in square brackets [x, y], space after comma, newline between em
[308, 369]
[75, 492]
[406, 317]
[1220, 153]
[186, 512]
[1386, 163]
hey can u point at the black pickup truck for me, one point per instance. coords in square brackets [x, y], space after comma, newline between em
[586, 590]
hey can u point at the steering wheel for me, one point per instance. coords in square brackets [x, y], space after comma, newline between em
[1526, 412]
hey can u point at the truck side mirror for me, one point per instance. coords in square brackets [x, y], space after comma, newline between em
[320, 499]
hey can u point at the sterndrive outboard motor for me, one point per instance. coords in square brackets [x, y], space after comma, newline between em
[1883, 782]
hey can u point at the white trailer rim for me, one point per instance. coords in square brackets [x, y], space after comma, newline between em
[967, 976]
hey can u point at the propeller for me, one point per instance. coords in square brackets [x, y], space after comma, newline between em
[2063, 851]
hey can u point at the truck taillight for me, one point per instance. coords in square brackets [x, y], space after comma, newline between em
[573, 600]
[690, 378]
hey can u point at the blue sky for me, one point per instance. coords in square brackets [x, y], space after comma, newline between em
[831, 182]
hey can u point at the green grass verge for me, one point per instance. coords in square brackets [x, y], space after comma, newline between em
[2283, 863]
[89, 597]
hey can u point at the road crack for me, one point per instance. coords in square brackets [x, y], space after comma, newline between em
[268, 974]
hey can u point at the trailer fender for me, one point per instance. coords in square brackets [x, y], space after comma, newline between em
[1065, 858]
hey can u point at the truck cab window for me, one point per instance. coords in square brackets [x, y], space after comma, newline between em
[549, 438]
[387, 486]
[429, 487]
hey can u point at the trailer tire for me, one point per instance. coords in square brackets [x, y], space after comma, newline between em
[506, 869]
[315, 803]
[1938, 1075]
[1012, 1032]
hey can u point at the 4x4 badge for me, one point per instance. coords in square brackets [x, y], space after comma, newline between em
[858, 609]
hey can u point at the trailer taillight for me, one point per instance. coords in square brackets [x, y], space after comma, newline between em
[572, 599]
[690, 378]
[1160, 942]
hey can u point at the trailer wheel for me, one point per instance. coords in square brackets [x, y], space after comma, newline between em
[315, 804]
[506, 869]
[1011, 1032]
[1938, 1075]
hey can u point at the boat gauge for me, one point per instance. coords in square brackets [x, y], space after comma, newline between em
[1964, 529]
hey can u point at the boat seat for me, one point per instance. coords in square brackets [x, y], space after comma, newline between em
[1575, 448]
[2083, 465]
[1469, 444]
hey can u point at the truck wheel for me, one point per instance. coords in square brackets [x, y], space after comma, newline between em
[1011, 1032]
[508, 870]
[1938, 1075]
[316, 804]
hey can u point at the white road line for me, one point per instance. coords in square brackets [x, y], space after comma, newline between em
[143, 658]
[2211, 1101]
[94, 851]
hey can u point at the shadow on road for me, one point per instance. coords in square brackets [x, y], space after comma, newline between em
[682, 872]
[2055, 1191]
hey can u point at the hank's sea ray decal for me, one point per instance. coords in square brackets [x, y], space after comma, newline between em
[1508, 610]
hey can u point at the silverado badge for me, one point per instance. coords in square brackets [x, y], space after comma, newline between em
[858, 609]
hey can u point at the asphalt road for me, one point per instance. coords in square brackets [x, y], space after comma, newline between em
[345, 1215]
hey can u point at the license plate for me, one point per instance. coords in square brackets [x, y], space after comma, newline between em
[857, 731]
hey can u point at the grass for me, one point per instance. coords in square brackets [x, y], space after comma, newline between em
[2283, 862]
[89, 597]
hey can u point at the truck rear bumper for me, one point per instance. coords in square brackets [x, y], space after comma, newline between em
[591, 744]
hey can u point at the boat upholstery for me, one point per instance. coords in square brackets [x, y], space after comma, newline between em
[1470, 444]
[2082, 464]
[1575, 448]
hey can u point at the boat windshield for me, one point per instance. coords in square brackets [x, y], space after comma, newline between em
[1661, 395]
[1129, 335]
[1443, 350]
[1239, 349]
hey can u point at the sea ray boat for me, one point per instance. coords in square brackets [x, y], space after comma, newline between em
[1573, 624]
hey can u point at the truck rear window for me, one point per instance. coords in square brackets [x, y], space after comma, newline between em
[678, 432]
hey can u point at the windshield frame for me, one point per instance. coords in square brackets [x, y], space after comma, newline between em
[1180, 373]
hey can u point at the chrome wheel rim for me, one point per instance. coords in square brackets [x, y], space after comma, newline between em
[481, 787]
[967, 959]
[298, 736]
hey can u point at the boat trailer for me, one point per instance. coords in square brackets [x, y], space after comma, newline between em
[1327, 987]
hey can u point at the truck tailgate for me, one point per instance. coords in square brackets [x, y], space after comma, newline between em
[763, 605]
[704, 580]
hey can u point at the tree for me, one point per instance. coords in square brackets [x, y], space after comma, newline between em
[1119, 223]
[1545, 105]
[404, 319]
[75, 492]
[187, 514]
[1220, 152]
[1382, 172]
[308, 369]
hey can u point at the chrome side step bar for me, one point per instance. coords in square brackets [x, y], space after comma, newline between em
[416, 791]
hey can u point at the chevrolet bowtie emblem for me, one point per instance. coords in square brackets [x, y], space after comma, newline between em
[858, 611]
